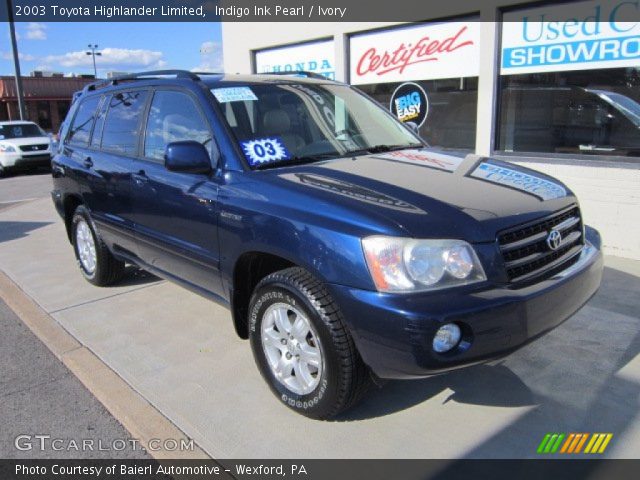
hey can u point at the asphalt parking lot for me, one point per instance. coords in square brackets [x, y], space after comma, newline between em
[180, 352]
[40, 396]
[16, 188]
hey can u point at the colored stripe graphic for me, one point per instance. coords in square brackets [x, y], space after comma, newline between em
[544, 443]
[598, 443]
[581, 443]
[556, 445]
[573, 443]
[565, 447]
[551, 442]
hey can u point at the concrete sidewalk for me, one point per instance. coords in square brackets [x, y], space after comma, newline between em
[180, 352]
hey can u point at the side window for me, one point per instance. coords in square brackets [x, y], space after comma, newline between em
[80, 131]
[120, 132]
[173, 117]
[97, 129]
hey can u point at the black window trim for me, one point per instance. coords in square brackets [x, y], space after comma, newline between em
[196, 103]
[104, 104]
[67, 140]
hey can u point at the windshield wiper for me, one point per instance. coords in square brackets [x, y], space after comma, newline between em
[296, 161]
[383, 148]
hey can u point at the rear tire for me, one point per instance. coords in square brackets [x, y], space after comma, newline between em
[302, 347]
[97, 265]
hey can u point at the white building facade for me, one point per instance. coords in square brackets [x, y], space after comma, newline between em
[552, 87]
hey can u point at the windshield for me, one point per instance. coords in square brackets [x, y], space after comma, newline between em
[277, 124]
[21, 130]
[628, 107]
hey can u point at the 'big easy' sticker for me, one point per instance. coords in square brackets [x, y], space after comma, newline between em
[410, 103]
[541, 188]
[424, 158]
[234, 94]
[264, 150]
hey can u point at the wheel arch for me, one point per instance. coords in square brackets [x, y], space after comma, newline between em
[70, 203]
[249, 269]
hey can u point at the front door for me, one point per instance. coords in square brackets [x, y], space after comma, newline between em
[175, 214]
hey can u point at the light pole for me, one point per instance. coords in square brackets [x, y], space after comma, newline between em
[16, 62]
[93, 53]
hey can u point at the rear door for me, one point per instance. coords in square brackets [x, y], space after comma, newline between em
[175, 213]
[75, 151]
[114, 145]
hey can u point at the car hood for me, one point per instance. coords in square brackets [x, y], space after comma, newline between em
[428, 194]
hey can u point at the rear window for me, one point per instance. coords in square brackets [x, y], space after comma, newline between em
[80, 131]
[21, 130]
[122, 126]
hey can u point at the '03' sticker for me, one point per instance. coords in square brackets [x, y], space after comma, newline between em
[264, 150]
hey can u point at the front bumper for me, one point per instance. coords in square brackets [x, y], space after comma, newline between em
[24, 160]
[394, 333]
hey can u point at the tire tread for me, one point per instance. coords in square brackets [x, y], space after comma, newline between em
[355, 377]
[108, 269]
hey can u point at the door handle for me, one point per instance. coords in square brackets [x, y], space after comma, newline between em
[87, 162]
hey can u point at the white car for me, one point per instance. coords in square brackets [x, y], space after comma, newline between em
[23, 145]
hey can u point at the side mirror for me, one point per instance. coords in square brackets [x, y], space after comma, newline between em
[188, 157]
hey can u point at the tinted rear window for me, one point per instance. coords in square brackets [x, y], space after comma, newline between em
[121, 128]
[80, 131]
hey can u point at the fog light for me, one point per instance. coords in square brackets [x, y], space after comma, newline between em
[446, 338]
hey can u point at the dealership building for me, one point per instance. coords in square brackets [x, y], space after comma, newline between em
[553, 88]
[46, 99]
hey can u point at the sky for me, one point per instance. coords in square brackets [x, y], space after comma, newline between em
[125, 47]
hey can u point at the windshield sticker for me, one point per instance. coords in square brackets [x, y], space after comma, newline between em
[264, 150]
[424, 158]
[234, 94]
[540, 187]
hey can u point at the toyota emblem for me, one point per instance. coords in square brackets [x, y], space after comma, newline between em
[554, 239]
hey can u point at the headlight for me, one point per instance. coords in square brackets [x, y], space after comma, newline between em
[408, 265]
[6, 148]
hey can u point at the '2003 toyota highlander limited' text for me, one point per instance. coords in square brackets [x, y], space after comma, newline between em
[345, 248]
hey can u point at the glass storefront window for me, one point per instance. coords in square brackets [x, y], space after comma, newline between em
[570, 80]
[425, 73]
[586, 112]
[451, 120]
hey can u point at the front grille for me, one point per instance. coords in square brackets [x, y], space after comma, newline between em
[34, 148]
[525, 251]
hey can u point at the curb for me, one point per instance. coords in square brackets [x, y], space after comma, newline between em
[141, 419]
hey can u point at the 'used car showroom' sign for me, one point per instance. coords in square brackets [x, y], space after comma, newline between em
[424, 52]
[317, 57]
[573, 36]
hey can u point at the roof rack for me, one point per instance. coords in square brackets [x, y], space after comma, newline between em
[298, 73]
[144, 75]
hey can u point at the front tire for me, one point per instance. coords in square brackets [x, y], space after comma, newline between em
[97, 264]
[302, 346]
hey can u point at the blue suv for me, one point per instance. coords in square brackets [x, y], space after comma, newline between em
[346, 249]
